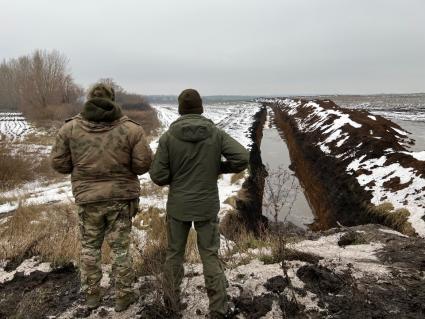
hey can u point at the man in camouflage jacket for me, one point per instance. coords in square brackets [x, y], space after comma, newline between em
[104, 152]
[189, 159]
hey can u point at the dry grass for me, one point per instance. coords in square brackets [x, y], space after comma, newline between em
[7, 199]
[232, 225]
[149, 258]
[22, 163]
[236, 177]
[48, 231]
[394, 218]
[15, 169]
[44, 116]
[45, 138]
[147, 118]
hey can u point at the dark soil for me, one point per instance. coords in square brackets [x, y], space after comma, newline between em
[352, 238]
[250, 208]
[156, 311]
[40, 294]
[401, 295]
[291, 308]
[254, 307]
[276, 284]
[319, 279]
[370, 298]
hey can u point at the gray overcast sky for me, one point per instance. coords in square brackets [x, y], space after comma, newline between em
[228, 46]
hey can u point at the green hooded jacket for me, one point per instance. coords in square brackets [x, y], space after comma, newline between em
[189, 159]
[103, 151]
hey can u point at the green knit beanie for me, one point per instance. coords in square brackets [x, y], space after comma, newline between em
[101, 90]
[190, 102]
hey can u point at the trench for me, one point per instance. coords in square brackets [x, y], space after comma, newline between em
[326, 197]
[279, 147]
[284, 197]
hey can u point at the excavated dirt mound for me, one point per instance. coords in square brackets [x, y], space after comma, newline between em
[40, 294]
[334, 150]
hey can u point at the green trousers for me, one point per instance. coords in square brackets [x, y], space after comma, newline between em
[208, 240]
[109, 220]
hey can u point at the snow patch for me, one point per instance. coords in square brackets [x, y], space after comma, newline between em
[28, 266]
[390, 231]
[361, 257]
[420, 156]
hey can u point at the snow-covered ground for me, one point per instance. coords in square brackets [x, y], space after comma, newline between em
[311, 289]
[324, 288]
[234, 118]
[13, 126]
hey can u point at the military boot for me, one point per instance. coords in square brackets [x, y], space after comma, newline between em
[93, 300]
[122, 303]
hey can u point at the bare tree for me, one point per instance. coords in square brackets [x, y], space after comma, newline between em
[32, 83]
[280, 193]
[47, 74]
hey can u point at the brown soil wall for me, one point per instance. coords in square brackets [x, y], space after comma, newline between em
[249, 203]
[334, 196]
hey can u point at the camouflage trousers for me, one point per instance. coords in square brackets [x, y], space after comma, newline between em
[208, 241]
[110, 221]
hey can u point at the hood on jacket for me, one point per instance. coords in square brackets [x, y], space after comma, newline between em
[192, 128]
[96, 127]
[101, 110]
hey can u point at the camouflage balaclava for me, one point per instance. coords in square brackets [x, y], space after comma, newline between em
[190, 102]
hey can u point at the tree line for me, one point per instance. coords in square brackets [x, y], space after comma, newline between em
[41, 86]
[31, 83]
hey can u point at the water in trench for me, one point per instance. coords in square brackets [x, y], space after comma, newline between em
[284, 199]
[417, 132]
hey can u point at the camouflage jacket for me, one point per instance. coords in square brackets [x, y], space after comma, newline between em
[189, 159]
[104, 158]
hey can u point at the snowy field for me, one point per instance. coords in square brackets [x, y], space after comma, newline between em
[13, 126]
[234, 118]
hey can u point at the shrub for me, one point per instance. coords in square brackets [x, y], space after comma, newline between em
[397, 219]
[15, 169]
[147, 118]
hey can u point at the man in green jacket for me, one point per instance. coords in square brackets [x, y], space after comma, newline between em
[189, 159]
[104, 151]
